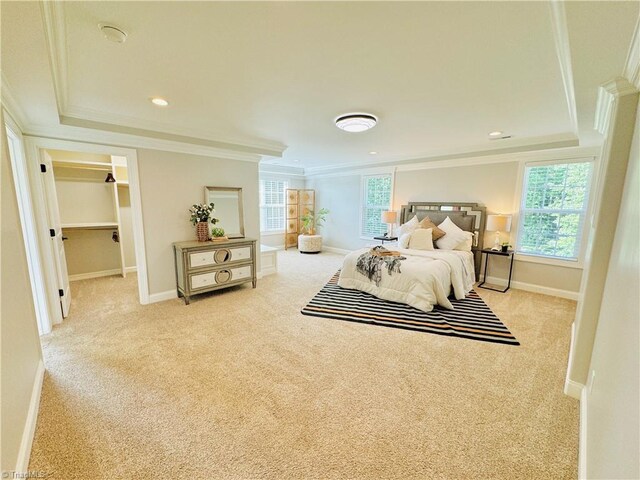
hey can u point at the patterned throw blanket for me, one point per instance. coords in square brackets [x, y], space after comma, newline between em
[371, 263]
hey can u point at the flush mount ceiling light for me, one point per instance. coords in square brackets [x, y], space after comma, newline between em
[113, 33]
[161, 102]
[373, 153]
[495, 134]
[356, 122]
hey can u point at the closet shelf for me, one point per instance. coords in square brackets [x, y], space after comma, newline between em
[91, 226]
[82, 164]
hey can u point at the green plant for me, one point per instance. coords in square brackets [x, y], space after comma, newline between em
[312, 220]
[217, 232]
[506, 244]
[202, 213]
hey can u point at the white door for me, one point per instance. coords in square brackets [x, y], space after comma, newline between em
[55, 228]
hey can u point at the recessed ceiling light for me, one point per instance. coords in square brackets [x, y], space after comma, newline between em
[113, 33]
[161, 102]
[356, 122]
[495, 133]
[373, 153]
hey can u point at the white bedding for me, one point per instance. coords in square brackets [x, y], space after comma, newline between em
[425, 280]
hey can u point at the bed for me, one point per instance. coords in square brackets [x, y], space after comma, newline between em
[423, 278]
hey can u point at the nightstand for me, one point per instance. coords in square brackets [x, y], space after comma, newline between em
[488, 252]
[386, 239]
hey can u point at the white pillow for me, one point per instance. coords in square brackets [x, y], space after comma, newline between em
[467, 244]
[408, 227]
[454, 235]
[403, 240]
[421, 239]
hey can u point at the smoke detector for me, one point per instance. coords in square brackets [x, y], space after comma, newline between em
[113, 33]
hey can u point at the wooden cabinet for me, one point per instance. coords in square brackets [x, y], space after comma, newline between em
[206, 266]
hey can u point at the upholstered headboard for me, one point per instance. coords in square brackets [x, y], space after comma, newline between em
[470, 217]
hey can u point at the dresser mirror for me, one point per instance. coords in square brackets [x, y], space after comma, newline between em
[227, 203]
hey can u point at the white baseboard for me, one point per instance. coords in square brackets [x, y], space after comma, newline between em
[582, 439]
[340, 251]
[22, 464]
[86, 276]
[530, 287]
[130, 269]
[573, 389]
[162, 296]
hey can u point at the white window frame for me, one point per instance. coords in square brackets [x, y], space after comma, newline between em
[261, 205]
[518, 202]
[363, 184]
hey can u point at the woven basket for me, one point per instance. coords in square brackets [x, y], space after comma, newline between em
[202, 231]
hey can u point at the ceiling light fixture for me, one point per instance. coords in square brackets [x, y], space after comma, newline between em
[356, 122]
[113, 33]
[495, 133]
[161, 102]
[373, 153]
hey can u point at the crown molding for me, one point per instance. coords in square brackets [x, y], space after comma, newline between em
[632, 64]
[512, 146]
[118, 139]
[563, 52]
[56, 38]
[281, 170]
[11, 105]
[607, 95]
[567, 153]
[75, 116]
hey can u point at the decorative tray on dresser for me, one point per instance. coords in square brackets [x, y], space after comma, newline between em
[206, 266]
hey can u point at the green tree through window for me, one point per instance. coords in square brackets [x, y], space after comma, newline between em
[376, 199]
[554, 203]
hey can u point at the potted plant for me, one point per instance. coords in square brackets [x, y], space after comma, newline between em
[201, 216]
[217, 234]
[308, 241]
[311, 221]
[505, 247]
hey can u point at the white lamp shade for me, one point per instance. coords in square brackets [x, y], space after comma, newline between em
[498, 223]
[389, 217]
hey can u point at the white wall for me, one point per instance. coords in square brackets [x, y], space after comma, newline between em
[491, 185]
[169, 184]
[20, 351]
[613, 399]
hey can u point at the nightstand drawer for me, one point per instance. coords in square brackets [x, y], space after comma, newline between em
[201, 259]
[240, 273]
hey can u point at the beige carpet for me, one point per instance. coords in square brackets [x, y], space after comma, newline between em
[240, 385]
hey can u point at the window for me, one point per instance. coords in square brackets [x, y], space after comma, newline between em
[554, 204]
[272, 205]
[376, 198]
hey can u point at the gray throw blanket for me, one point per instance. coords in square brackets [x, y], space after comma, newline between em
[370, 264]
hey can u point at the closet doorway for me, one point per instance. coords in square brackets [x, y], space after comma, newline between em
[91, 223]
[90, 207]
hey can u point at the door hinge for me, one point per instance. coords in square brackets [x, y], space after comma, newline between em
[61, 292]
[43, 168]
[52, 232]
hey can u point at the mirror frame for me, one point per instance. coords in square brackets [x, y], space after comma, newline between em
[240, 205]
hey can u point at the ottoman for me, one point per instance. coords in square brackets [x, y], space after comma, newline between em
[309, 243]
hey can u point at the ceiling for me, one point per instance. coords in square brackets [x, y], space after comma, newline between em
[439, 75]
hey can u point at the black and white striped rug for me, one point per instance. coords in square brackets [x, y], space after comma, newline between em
[471, 317]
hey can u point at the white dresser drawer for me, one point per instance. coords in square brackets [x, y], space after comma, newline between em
[240, 253]
[203, 280]
[201, 259]
[240, 273]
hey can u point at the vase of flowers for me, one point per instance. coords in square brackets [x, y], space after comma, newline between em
[201, 217]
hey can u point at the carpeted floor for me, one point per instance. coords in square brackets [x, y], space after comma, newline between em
[240, 385]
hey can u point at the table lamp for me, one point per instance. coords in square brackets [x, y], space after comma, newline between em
[498, 223]
[389, 218]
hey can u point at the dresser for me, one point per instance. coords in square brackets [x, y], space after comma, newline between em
[206, 266]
